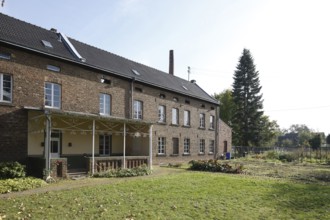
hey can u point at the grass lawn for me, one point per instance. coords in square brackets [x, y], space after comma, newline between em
[177, 194]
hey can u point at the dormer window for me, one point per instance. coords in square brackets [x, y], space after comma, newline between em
[47, 44]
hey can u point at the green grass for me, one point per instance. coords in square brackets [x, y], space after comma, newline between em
[177, 195]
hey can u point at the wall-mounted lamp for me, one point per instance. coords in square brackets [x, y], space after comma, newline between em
[69, 144]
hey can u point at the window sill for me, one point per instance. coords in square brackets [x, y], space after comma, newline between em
[211, 129]
[186, 126]
[210, 153]
[174, 155]
[186, 154]
[160, 155]
[7, 103]
[201, 128]
[161, 123]
[175, 125]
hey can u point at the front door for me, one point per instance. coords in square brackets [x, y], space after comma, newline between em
[55, 147]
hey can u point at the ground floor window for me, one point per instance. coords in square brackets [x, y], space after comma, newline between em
[211, 147]
[186, 146]
[202, 146]
[105, 144]
[161, 145]
[175, 146]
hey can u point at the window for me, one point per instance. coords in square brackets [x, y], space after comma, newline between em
[53, 68]
[175, 116]
[5, 88]
[175, 99]
[161, 145]
[161, 113]
[175, 146]
[105, 145]
[162, 96]
[47, 44]
[138, 108]
[52, 95]
[5, 56]
[211, 147]
[186, 146]
[105, 104]
[211, 122]
[186, 118]
[202, 146]
[202, 120]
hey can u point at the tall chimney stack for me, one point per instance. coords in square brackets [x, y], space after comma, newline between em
[171, 67]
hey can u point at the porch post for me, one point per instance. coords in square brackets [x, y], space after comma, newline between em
[150, 147]
[48, 142]
[93, 150]
[124, 150]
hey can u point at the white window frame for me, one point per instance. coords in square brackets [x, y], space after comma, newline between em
[105, 104]
[201, 120]
[54, 98]
[186, 118]
[186, 146]
[202, 146]
[161, 113]
[138, 110]
[161, 145]
[211, 147]
[2, 88]
[175, 116]
[212, 122]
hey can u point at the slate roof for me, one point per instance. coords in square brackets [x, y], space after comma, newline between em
[28, 36]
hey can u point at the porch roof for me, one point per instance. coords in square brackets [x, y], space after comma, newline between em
[91, 116]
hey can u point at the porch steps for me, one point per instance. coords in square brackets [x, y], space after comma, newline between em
[77, 175]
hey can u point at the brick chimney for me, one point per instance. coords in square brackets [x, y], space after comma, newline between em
[171, 66]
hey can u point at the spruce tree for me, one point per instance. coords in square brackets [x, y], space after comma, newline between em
[248, 102]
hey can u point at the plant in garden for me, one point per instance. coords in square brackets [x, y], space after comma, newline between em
[137, 171]
[20, 184]
[214, 166]
[12, 170]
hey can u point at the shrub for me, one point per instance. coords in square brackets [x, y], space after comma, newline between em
[10, 170]
[214, 166]
[20, 184]
[273, 155]
[137, 171]
[286, 157]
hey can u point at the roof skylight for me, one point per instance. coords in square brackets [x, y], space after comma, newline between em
[136, 72]
[184, 87]
[47, 44]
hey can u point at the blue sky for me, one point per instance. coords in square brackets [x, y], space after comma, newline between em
[289, 40]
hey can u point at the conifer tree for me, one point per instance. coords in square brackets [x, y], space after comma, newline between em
[248, 102]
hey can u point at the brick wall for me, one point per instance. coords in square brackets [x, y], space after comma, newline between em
[80, 93]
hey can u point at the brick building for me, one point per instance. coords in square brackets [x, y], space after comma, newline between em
[69, 105]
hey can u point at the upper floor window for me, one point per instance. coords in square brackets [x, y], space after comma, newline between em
[52, 95]
[186, 118]
[137, 109]
[175, 116]
[202, 120]
[5, 88]
[161, 113]
[105, 104]
[161, 145]
[53, 68]
[211, 122]
[5, 56]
